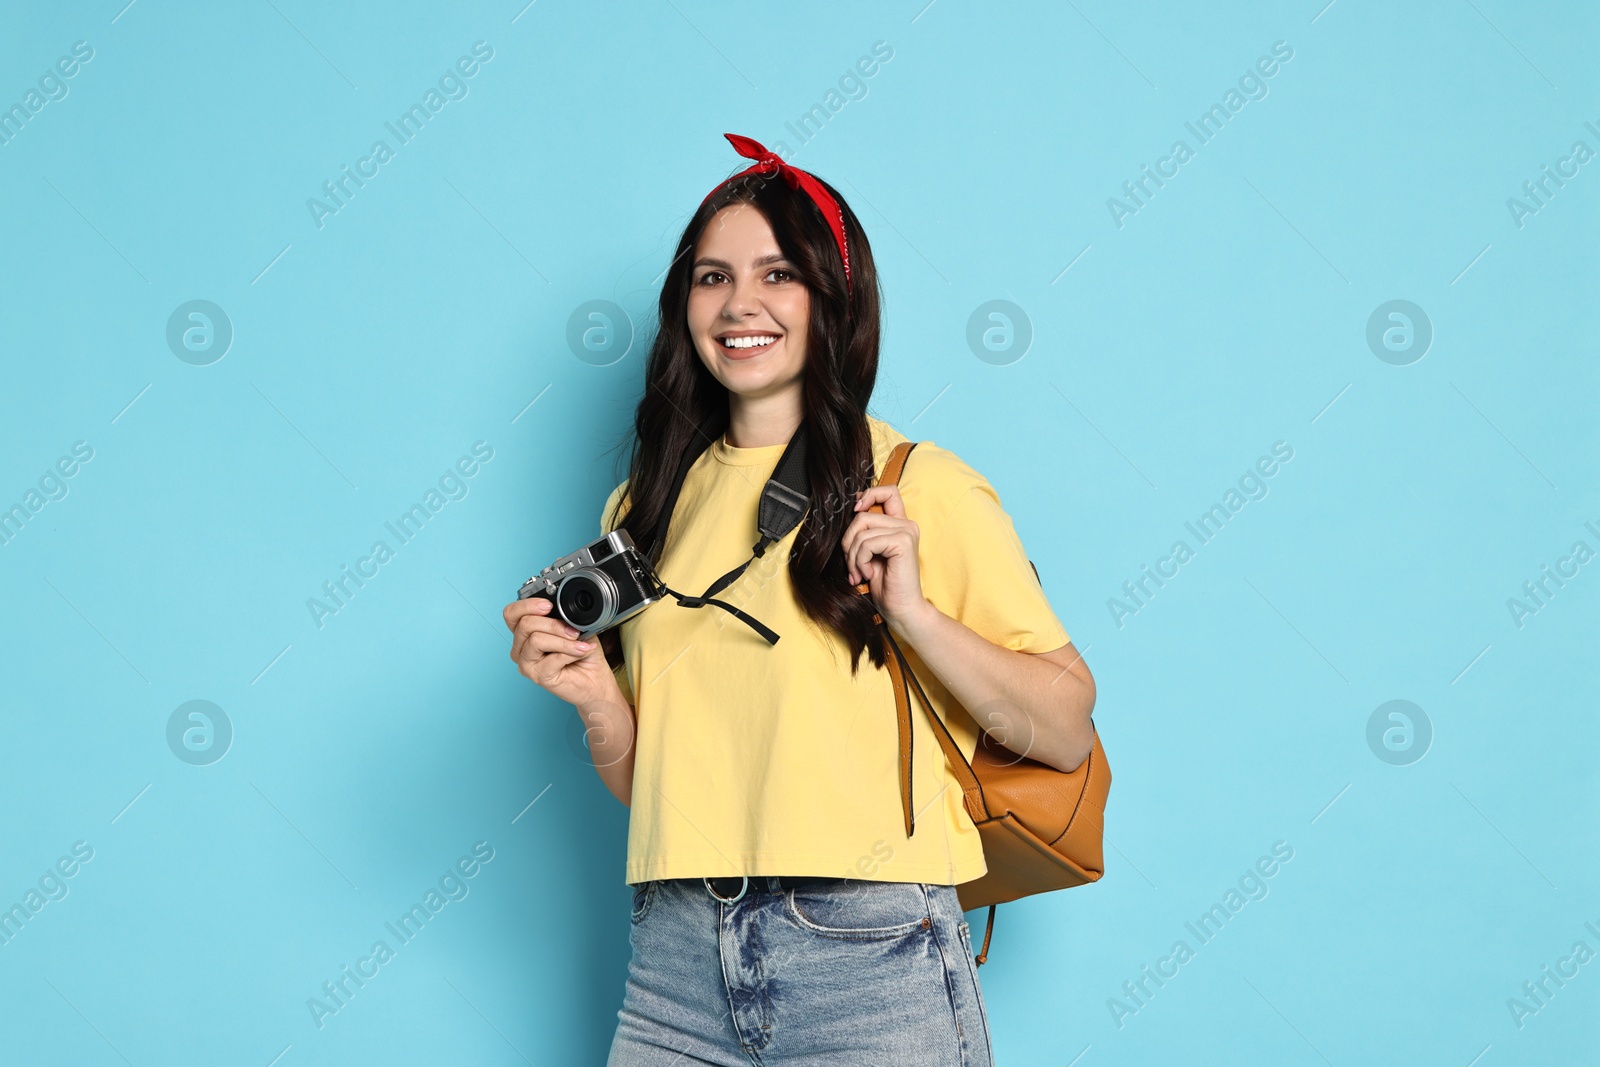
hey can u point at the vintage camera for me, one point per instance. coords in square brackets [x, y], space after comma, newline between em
[598, 586]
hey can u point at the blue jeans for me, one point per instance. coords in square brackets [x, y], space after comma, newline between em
[841, 972]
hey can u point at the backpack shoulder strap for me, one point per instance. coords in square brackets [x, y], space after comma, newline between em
[896, 463]
[900, 675]
[890, 475]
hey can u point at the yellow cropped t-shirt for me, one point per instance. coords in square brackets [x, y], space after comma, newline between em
[761, 759]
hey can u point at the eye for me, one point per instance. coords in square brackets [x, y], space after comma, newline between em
[786, 274]
[708, 277]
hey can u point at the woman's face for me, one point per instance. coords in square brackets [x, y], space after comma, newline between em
[743, 290]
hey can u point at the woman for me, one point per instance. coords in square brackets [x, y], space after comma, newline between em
[781, 912]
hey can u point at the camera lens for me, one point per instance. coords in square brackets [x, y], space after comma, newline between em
[582, 599]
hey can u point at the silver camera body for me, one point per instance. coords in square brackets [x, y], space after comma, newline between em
[599, 586]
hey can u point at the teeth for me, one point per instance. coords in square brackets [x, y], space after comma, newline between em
[748, 342]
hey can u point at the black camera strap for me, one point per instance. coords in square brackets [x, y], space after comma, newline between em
[784, 501]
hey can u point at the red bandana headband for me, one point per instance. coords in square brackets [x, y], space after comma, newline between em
[767, 163]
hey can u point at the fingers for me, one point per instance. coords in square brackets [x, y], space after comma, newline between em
[868, 572]
[859, 558]
[886, 495]
[555, 641]
[519, 609]
[864, 523]
[549, 637]
[544, 657]
[546, 668]
[537, 617]
[872, 527]
[535, 633]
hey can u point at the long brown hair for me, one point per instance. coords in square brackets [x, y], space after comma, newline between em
[841, 368]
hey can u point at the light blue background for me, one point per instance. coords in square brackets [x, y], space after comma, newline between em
[1229, 313]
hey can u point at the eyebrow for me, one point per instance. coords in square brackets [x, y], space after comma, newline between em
[708, 261]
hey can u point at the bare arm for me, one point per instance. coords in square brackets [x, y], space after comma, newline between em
[547, 652]
[1036, 704]
[608, 728]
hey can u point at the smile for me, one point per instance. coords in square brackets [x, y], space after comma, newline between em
[747, 346]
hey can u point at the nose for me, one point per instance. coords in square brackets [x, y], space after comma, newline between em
[744, 299]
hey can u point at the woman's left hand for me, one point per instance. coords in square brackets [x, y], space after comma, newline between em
[882, 549]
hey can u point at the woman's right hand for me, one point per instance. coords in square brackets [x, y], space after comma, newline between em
[546, 651]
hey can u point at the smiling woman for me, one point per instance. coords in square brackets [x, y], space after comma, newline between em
[781, 905]
[751, 336]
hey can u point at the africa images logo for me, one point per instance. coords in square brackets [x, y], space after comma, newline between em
[453, 484]
[452, 85]
[452, 886]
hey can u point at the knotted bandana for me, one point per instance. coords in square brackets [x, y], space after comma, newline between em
[768, 163]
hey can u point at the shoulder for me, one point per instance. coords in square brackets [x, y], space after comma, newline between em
[934, 479]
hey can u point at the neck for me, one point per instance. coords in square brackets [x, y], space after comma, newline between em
[755, 422]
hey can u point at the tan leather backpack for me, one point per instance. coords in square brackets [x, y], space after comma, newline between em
[1042, 829]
